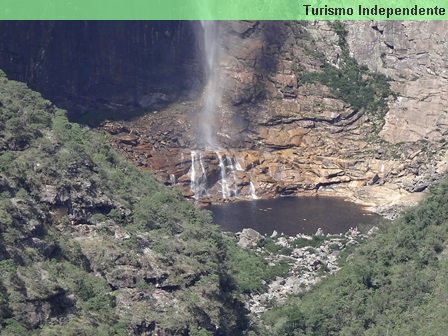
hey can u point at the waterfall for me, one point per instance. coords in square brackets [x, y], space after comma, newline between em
[232, 172]
[238, 165]
[203, 176]
[253, 193]
[172, 179]
[198, 180]
[193, 174]
[182, 159]
[228, 167]
[224, 185]
[201, 164]
[212, 93]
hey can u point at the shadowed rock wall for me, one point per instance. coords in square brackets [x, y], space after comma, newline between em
[101, 65]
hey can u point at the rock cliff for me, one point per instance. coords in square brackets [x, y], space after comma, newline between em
[290, 135]
[356, 109]
[110, 67]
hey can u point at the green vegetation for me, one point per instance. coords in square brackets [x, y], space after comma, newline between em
[394, 284]
[90, 245]
[350, 82]
[269, 245]
[250, 272]
[314, 242]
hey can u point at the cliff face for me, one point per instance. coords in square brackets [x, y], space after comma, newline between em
[105, 66]
[356, 109]
[412, 54]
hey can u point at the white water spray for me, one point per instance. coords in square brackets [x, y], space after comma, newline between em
[224, 185]
[238, 165]
[253, 193]
[212, 93]
[193, 174]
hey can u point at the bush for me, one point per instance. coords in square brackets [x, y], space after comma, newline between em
[251, 272]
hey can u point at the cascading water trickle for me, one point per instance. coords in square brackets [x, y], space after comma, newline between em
[198, 178]
[238, 165]
[232, 172]
[253, 193]
[193, 174]
[224, 185]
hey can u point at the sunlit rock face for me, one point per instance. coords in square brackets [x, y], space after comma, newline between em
[413, 55]
[272, 133]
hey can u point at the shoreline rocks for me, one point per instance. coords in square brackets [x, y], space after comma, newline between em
[311, 258]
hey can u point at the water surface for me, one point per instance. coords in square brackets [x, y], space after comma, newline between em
[292, 215]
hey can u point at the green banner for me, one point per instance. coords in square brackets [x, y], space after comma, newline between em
[222, 10]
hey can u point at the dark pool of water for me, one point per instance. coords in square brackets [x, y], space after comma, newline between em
[292, 215]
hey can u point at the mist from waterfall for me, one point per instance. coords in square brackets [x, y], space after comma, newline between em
[213, 88]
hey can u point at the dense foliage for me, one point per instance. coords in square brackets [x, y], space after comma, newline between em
[395, 284]
[90, 245]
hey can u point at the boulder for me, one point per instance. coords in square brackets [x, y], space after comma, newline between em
[249, 238]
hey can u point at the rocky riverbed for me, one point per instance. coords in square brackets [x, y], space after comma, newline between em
[310, 258]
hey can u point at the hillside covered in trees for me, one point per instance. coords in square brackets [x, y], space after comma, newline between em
[90, 245]
[394, 284]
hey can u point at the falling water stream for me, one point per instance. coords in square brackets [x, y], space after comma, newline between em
[291, 215]
[253, 193]
[198, 178]
[207, 120]
[224, 185]
[213, 89]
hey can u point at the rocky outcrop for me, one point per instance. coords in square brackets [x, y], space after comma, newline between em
[249, 238]
[411, 53]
